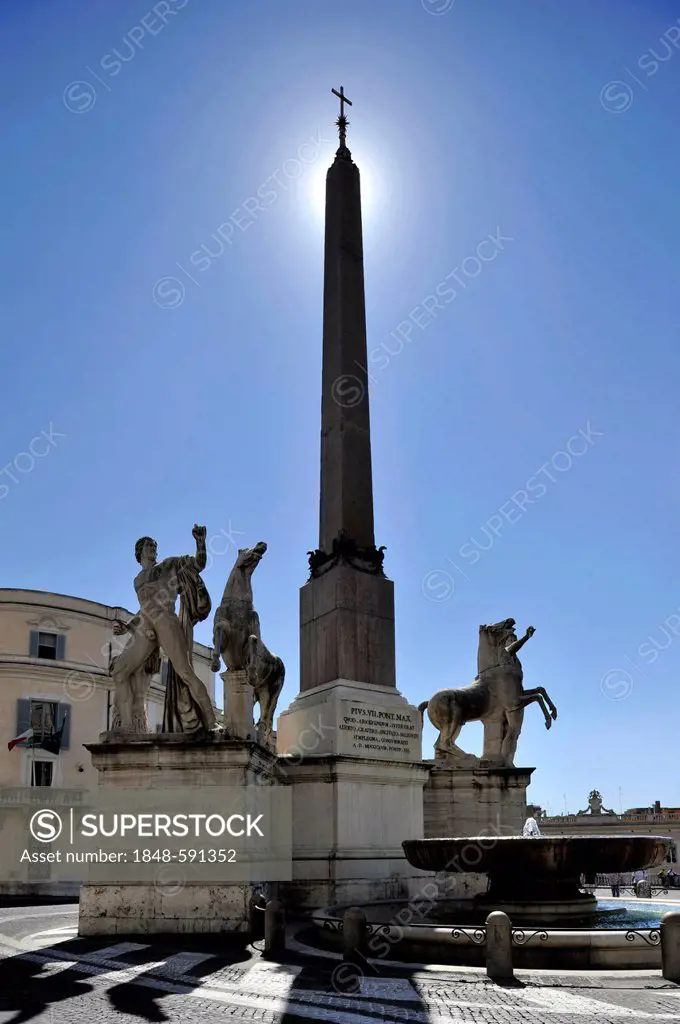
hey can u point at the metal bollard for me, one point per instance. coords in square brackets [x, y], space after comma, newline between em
[354, 936]
[256, 916]
[499, 947]
[274, 928]
[670, 945]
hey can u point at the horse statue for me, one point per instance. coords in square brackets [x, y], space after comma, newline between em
[496, 698]
[238, 641]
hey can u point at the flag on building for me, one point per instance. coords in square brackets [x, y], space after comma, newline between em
[52, 743]
[28, 735]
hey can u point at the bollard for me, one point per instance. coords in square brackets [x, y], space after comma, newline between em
[274, 928]
[499, 947]
[354, 936]
[670, 946]
[256, 916]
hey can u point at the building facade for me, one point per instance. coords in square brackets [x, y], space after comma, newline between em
[54, 658]
[653, 820]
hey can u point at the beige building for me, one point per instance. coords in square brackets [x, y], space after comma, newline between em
[54, 656]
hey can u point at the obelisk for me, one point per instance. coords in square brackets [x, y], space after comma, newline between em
[350, 743]
[347, 607]
[346, 499]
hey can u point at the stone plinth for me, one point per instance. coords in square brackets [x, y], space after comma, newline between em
[165, 908]
[351, 719]
[171, 899]
[350, 816]
[238, 705]
[347, 629]
[474, 801]
[169, 759]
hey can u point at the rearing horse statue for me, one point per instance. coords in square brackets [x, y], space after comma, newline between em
[497, 698]
[237, 639]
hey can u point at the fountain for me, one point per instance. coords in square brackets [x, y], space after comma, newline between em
[534, 878]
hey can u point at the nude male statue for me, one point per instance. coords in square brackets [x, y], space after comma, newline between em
[157, 586]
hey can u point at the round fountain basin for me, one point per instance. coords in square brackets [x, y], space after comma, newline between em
[537, 879]
[620, 934]
[565, 857]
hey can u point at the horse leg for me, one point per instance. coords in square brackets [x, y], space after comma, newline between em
[215, 662]
[533, 697]
[544, 694]
[266, 713]
[272, 691]
[446, 741]
[513, 727]
[252, 661]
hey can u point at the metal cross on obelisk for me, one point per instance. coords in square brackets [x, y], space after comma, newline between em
[342, 121]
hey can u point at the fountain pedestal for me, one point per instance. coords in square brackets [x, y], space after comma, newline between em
[529, 900]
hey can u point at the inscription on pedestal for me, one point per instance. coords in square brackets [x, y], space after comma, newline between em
[366, 731]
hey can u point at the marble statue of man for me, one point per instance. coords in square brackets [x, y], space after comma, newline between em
[157, 586]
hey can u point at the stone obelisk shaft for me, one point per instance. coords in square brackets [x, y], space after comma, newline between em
[347, 607]
[346, 504]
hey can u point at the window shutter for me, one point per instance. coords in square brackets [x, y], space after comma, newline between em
[64, 718]
[61, 647]
[23, 716]
[33, 647]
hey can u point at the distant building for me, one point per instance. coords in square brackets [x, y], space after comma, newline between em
[653, 820]
[54, 657]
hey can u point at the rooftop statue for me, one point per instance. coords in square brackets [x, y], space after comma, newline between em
[595, 804]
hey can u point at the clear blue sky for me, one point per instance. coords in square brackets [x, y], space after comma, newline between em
[490, 115]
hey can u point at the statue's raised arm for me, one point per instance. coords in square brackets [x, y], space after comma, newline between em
[517, 645]
[201, 557]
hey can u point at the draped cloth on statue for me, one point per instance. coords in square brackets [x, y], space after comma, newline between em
[180, 712]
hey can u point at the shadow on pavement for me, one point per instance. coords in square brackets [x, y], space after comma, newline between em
[26, 991]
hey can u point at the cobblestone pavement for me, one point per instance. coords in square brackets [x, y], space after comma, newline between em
[51, 977]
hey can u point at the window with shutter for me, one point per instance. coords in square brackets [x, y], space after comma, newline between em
[47, 645]
[23, 716]
[43, 717]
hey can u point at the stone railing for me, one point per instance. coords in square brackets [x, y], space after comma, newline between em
[559, 820]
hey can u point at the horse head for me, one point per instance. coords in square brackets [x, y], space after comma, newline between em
[493, 640]
[249, 558]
